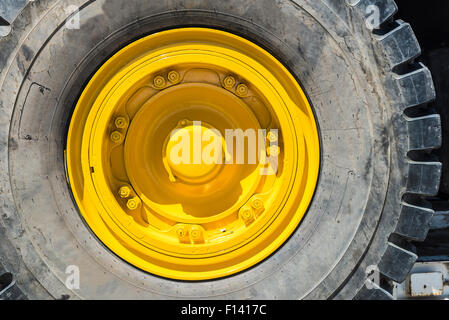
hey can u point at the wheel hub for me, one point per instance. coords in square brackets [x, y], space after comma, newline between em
[155, 160]
[190, 169]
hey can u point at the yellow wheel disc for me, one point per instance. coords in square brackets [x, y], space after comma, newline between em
[166, 208]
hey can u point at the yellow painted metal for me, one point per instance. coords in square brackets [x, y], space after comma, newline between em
[189, 171]
[191, 221]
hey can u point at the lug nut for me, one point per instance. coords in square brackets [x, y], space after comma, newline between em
[116, 136]
[229, 82]
[257, 204]
[183, 123]
[159, 82]
[181, 232]
[246, 213]
[242, 90]
[196, 233]
[121, 122]
[124, 192]
[273, 151]
[272, 137]
[173, 77]
[133, 203]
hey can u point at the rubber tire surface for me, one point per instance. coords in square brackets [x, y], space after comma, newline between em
[369, 98]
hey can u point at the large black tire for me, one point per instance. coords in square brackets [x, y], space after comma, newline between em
[369, 98]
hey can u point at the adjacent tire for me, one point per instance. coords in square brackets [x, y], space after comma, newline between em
[369, 99]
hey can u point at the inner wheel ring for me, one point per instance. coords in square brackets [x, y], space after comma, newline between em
[193, 218]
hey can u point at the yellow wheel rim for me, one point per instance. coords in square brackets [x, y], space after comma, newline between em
[193, 220]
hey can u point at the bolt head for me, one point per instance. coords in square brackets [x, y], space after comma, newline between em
[133, 203]
[272, 137]
[124, 192]
[242, 90]
[173, 77]
[121, 122]
[196, 233]
[159, 82]
[116, 136]
[229, 82]
[257, 204]
[181, 232]
[246, 213]
[273, 151]
[183, 123]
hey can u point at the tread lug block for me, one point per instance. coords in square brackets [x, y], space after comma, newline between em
[387, 8]
[416, 87]
[424, 178]
[412, 220]
[400, 44]
[424, 132]
[373, 292]
[397, 262]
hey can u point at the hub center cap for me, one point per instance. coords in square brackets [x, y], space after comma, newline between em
[188, 158]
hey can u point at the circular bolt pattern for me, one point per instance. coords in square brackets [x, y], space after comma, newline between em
[242, 90]
[173, 77]
[159, 82]
[133, 203]
[214, 240]
[116, 136]
[121, 122]
[229, 82]
[124, 192]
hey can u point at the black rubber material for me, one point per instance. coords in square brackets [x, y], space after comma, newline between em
[369, 77]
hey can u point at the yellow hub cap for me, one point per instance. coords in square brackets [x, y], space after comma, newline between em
[192, 171]
[193, 154]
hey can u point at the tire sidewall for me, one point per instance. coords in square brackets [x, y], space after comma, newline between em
[53, 67]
